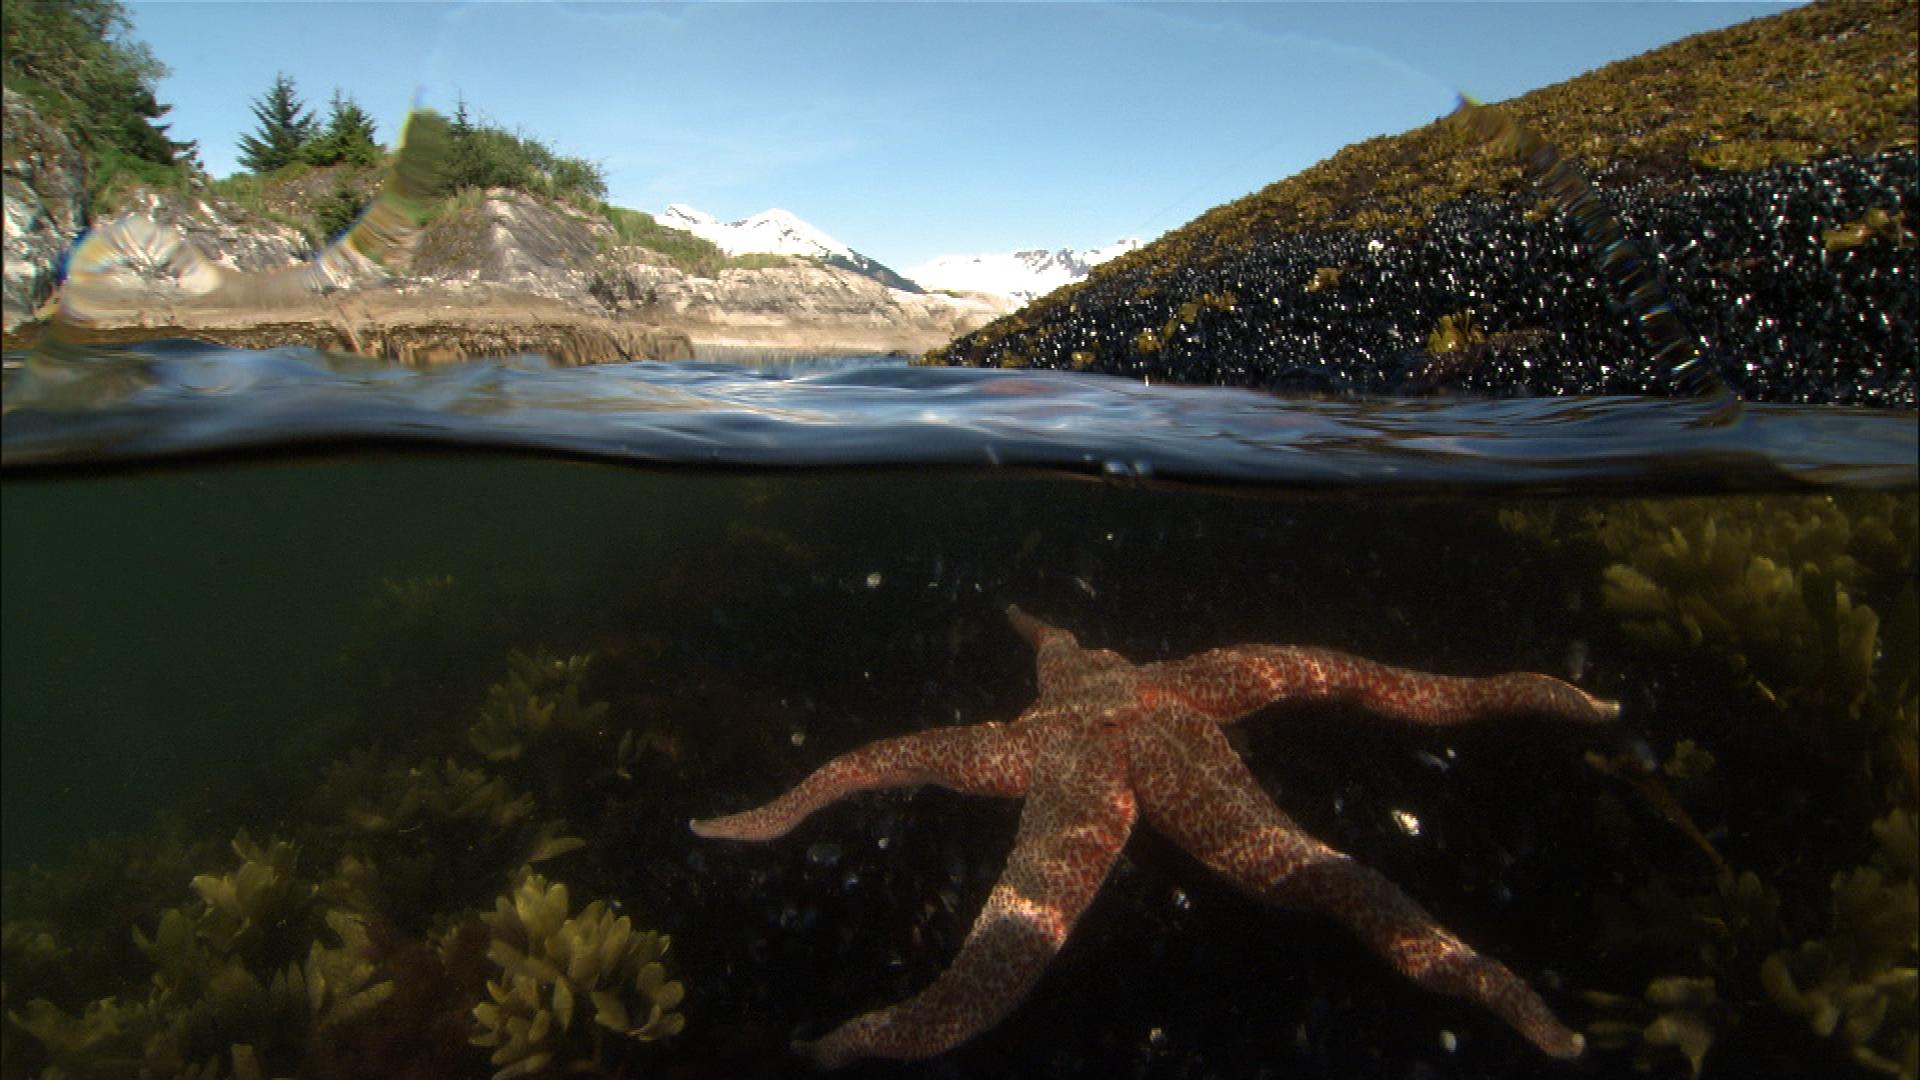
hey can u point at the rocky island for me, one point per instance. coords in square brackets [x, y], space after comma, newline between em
[1766, 171]
[502, 262]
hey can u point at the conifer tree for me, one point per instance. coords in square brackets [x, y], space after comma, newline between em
[347, 136]
[285, 126]
[78, 62]
[461, 126]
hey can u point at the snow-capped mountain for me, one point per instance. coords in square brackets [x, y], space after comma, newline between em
[771, 232]
[778, 232]
[1022, 275]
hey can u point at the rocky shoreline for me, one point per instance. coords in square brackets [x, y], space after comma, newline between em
[1766, 172]
[1787, 278]
[499, 273]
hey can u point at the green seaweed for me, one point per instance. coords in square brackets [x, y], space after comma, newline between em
[1859, 982]
[1674, 1014]
[540, 698]
[1774, 591]
[555, 967]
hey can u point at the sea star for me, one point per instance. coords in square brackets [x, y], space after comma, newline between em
[1108, 741]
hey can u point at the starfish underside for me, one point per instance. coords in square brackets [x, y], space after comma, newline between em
[1108, 742]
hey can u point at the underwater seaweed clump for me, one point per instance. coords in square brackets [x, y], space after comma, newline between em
[1810, 605]
[84, 904]
[1861, 982]
[553, 967]
[1775, 587]
[406, 797]
[108, 1038]
[540, 696]
[221, 998]
[402, 821]
[1791, 628]
[1685, 1015]
[1875, 224]
[241, 907]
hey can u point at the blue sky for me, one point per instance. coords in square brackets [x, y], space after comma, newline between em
[909, 130]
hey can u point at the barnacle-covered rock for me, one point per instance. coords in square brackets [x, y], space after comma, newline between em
[1738, 192]
[555, 968]
[541, 695]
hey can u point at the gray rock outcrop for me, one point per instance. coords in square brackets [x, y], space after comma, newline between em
[231, 236]
[514, 241]
[45, 189]
[507, 272]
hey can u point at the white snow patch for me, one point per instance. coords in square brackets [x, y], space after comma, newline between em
[1020, 275]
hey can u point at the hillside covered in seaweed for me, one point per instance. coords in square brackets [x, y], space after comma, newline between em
[1767, 170]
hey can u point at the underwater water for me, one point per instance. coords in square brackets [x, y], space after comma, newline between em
[318, 678]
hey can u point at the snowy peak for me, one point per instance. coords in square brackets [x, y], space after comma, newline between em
[778, 232]
[1021, 275]
[770, 232]
[682, 216]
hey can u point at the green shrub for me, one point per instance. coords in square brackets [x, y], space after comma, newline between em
[75, 61]
[689, 253]
[115, 171]
[485, 155]
[337, 210]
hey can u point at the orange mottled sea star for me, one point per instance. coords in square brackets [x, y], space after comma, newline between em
[1109, 741]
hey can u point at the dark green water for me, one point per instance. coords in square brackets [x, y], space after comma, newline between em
[271, 647]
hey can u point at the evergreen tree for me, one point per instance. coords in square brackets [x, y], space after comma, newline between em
[336, 211]
[461, 126]
[285, 127]
[347, 137]
[76, 63]
[485, 155]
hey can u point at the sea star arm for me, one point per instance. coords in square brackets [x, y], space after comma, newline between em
[1060, 662]
[980, 759]
[1406, 936]
[1194, 789]
[1228, 684]
[1078, 815]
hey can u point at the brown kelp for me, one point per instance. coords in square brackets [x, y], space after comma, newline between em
[556, 968]
[1804, 607]
[360, 943]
